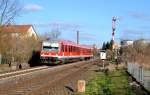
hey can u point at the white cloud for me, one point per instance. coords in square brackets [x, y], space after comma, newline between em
[32, 7]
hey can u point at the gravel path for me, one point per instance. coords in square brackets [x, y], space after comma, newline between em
[59, 80]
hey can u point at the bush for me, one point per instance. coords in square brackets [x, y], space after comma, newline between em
[17, 49]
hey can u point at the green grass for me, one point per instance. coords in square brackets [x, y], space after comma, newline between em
[113, 83]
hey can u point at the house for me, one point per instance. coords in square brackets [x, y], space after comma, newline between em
[143, 41]
[22, 31]
[127, 43]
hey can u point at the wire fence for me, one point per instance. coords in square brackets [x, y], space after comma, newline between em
[141, 74]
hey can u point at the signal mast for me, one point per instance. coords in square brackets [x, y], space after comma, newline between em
[113, 30]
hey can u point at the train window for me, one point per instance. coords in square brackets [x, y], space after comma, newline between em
[73, 49]
[77, 49]
[50, 49]
[46, 48]
[62, 48]
[54, 49]
[69, 48]
[66, 48]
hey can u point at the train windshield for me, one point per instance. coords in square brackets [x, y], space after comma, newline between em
[50, 49]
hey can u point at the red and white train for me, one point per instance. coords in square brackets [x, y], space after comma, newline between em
[54, 52]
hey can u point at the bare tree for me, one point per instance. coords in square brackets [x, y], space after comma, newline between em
[9, 9]
[53, 35]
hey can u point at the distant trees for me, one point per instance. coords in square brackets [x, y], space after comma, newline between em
[52, 35]
[104, 46]
[107, 45]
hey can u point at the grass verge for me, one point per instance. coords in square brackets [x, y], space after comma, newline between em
[112, 83]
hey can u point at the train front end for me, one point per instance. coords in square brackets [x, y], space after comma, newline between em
[49, 52]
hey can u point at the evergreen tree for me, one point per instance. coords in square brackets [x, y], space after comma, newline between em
[111, 44]
[107, 45]
[104, 46]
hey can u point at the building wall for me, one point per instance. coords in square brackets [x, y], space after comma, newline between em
[31, 33]
[127, 42]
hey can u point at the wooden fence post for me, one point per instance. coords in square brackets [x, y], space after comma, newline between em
[81, 85]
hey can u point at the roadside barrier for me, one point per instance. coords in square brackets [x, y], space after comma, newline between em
[141, 74]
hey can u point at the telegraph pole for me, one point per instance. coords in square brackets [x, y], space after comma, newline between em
[77, 37]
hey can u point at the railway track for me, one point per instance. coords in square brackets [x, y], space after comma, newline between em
[15, 73]
[33, 83]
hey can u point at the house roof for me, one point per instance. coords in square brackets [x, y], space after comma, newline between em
[16, 28]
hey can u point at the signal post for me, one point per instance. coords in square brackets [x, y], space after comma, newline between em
[103, 57]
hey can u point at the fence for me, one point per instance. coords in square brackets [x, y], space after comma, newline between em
[141, 74]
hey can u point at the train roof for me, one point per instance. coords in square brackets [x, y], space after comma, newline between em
[67, 42]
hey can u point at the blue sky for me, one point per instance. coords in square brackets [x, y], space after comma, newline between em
[91, 17]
